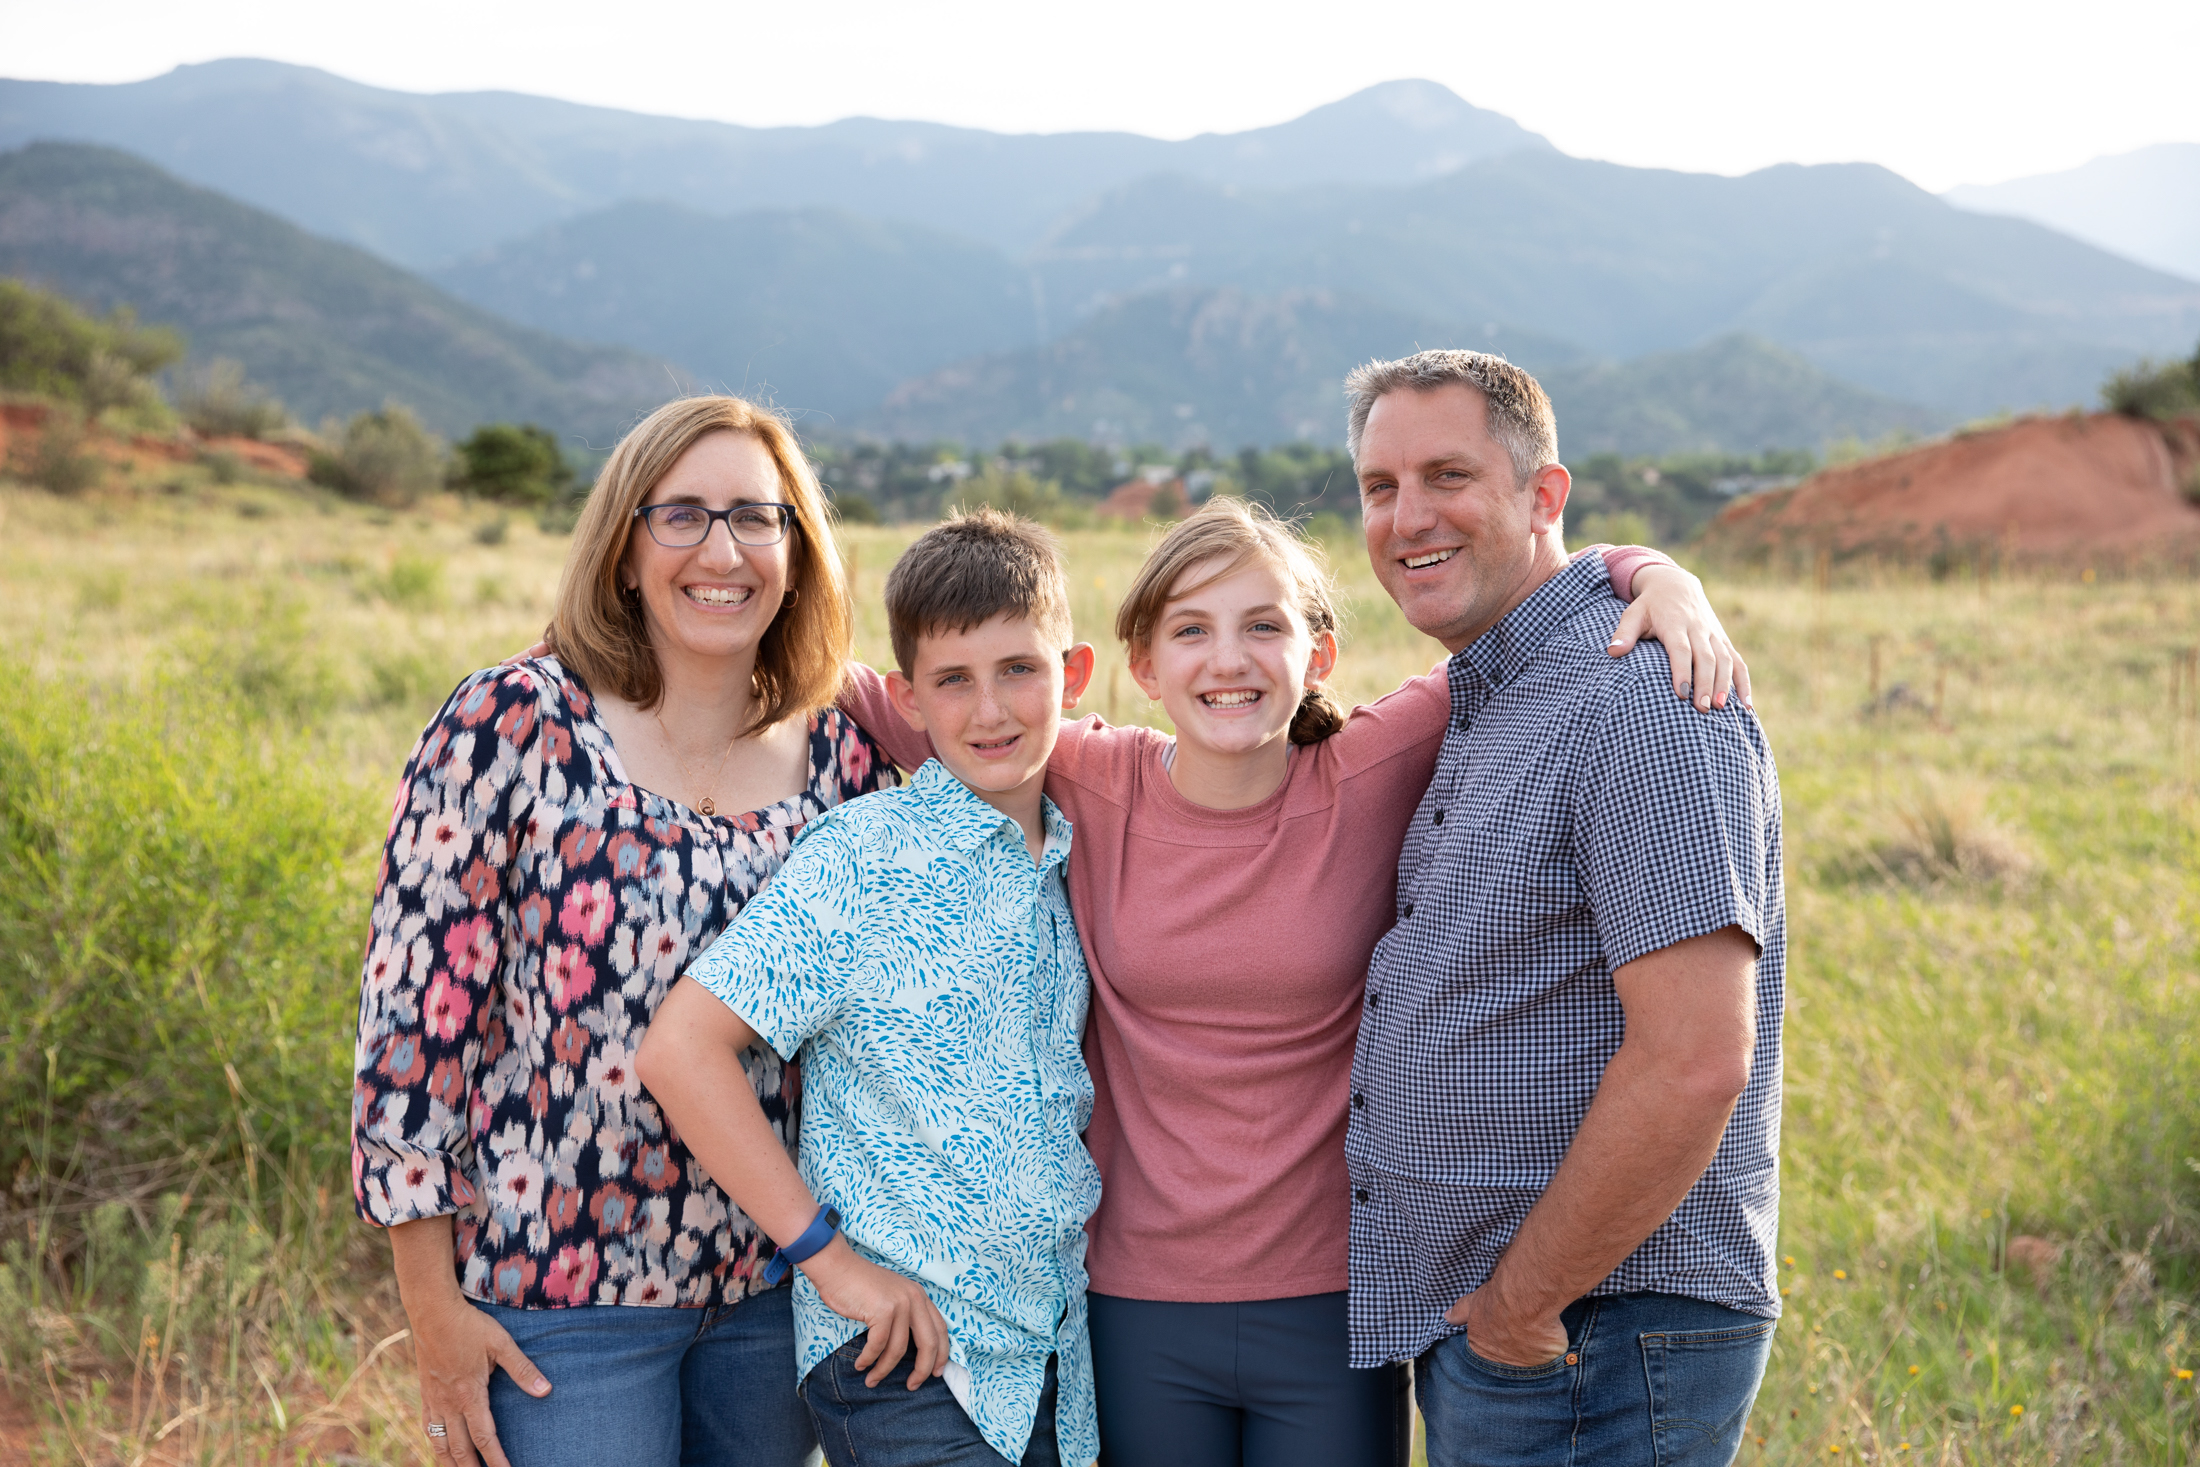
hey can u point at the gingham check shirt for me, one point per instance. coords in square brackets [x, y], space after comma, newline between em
[1581, 817]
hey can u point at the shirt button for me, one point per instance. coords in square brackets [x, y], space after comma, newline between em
[1437, 818]
[1374, 1000]
[1360, 1196]
[1409, 909]
[1358, 1100]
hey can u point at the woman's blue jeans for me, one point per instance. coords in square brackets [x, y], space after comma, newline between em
[646, 1387]
[1647, 1380]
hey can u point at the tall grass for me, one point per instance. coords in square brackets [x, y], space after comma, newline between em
[1991, 1158]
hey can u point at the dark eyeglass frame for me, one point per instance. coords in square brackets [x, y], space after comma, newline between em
[647, 514]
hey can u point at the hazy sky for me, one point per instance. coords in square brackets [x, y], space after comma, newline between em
[1944, 93]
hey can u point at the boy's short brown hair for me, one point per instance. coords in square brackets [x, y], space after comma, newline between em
[973, 566]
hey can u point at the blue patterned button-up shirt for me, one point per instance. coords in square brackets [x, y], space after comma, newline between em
[1581, 817]
[930, 975]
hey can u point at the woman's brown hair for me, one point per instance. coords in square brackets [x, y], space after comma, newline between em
[600, 632]
[1232, 532]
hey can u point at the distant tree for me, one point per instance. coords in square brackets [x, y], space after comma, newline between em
[2157, 390]
[1297, 478]
[513, 463]
[385, 457]
[50, 347]
[1016, 491]
[217, 401]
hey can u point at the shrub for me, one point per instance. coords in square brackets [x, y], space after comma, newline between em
[1623, 527]
[48, 346]
[384, 457]
[513, 463]
[2159, 391]
[55, 460]
[216, 400]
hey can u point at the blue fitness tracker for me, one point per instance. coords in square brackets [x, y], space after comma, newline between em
[815, 1236]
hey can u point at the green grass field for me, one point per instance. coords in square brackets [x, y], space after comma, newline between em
[1992, 1144]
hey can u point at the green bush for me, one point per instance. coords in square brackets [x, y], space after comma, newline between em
[513, 463]
[384, 457]
[216, 400]
[55, 459]
[180, 912]
[2160, 391]
[48, 346]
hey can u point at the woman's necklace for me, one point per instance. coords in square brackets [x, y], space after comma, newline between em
[706, 804]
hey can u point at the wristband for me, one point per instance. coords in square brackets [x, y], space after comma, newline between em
[813, 1239]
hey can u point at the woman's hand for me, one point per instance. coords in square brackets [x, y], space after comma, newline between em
[542, 648]
[1670, 607]
[455, 1346]
[895, 1309]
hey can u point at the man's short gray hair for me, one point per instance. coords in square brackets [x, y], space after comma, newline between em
[1520, 416]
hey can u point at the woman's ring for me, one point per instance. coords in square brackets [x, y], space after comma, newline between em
[435, 1429]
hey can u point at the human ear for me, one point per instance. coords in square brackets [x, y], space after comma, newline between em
[1142, 673]
[1547, 497]
[1324, 660]
[1077, 665]
[902, 693]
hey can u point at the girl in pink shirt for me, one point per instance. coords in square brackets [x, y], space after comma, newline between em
[1229, 885]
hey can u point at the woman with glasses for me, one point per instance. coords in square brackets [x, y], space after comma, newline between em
[569, 834]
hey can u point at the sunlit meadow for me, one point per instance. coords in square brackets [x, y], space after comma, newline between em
[1992, 1147]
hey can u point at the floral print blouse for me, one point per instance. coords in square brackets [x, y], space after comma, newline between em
[532, 909]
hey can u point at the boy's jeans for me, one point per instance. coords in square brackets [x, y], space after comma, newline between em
[894, 1426]
[1654, 1380]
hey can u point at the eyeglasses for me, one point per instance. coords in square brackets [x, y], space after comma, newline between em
[684, 526]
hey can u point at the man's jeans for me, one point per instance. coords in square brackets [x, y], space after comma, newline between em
[1648, 1380]
[890, 1425]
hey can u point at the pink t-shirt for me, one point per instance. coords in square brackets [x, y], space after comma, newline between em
[1228, 951]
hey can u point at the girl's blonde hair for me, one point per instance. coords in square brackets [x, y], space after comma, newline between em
[598, 628]
[1232, 532]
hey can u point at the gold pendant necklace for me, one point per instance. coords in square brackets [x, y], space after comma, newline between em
[706, 805]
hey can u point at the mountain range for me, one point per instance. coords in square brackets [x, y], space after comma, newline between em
[331, 328]
[2144, 204]
[920, 280]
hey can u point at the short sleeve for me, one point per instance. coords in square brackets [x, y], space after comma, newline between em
[434, 952]
[783, 965]
[1678, 817]
[1623, 563]
[863, 698]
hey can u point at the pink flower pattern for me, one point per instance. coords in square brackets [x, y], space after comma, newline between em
[531, 910]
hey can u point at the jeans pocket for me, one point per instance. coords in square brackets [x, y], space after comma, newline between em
[1487, 1366]
[1702, 1385]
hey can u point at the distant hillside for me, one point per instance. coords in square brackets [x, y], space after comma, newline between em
[2089, 490]
[327, 327]
[817, 309]
[1866, 275]
[1735, 395]
[1403, 195]
[2144, 205]
[1223, 368]
[426, 180]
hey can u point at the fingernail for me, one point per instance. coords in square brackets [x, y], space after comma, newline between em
[542, 1385]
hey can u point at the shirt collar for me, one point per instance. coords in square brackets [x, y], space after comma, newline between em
[966, 822]
[1492, 659]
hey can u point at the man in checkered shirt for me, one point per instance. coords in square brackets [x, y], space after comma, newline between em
[1565, 1119]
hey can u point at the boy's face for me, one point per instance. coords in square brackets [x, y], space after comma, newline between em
[992, 698]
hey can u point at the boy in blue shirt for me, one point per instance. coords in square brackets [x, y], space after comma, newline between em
[917, 948]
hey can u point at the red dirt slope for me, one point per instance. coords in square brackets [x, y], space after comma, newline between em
[28, 419]
[2044, 489]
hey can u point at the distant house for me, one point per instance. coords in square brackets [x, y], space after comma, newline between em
[1147, 497]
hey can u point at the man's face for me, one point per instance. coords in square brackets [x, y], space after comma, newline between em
[1450, 533]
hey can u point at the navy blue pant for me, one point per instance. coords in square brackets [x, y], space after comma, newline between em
[890, 1425]
[648, 1387]
[1259, 1384]
[1647, 1380]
